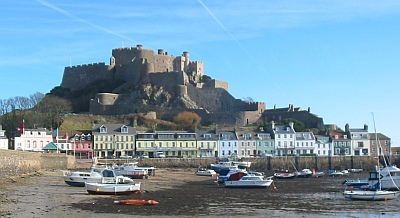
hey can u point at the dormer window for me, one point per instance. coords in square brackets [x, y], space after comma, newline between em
[345, 136]
[76, 137]
[83, 137]
[207, 136]
[336, 136]
[89, 137]
[124, 129]
[103, 129]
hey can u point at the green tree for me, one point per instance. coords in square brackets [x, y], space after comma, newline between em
[297, 125]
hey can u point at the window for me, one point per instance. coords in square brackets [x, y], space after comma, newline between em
[124, 129]
[103, 129]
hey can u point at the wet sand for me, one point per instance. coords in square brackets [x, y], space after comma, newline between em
[181, 193]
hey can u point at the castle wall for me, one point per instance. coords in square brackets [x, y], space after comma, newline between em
[216, 84]
[77, 77]
[169, 81]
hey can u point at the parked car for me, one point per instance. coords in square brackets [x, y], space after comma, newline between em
[125, 156]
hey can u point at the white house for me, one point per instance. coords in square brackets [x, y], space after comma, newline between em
[3, 139]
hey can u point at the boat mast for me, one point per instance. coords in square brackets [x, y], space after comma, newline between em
[378, 151]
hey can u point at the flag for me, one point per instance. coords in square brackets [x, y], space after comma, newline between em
[22, 129]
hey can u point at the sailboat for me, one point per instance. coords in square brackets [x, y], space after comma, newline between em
[372, 195]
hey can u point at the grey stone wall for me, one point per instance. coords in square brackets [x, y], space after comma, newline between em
[16, 163]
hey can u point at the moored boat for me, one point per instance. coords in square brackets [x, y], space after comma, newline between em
[283, 174]
[132, 170]
[304, 173]
[355, 170]
[223, 166]
[95, 175]
[377, 195]
[243, 180]
[205, 172]
[113, 189]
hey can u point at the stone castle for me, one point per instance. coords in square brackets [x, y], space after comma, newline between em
[162, 83]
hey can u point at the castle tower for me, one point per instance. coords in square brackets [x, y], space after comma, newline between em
[187, 61]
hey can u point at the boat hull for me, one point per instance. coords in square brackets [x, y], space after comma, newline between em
[370, 195]
[247, 184]
[284, 175]
[112, 189]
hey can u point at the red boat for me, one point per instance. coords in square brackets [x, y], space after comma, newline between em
[136, 202]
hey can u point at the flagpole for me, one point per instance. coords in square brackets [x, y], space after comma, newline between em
[57, 139]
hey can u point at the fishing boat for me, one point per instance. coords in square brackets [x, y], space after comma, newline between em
[136, 202]
[95, 175]
[113, 189]
[201, 171]
[243, 180]
[372, 195]
[283, 174]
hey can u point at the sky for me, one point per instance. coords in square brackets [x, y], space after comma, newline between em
[340, 58]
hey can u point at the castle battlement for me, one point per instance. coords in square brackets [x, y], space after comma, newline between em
[88, 65]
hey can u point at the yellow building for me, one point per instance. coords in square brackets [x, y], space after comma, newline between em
[113, 140]
[166, 144]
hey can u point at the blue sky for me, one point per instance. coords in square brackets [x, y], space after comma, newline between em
[340, 58]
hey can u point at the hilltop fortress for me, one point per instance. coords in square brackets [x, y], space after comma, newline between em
[161, 83]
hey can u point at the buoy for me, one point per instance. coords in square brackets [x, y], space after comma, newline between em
[275, 188]
[136, 202]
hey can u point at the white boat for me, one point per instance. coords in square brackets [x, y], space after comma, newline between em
[304, 173]
[335, 173]
[224, 175]
[242, 164]
[345, 172]
[243, 180]
[112, 189]
[95, 175]
[355, 170]
[132, 170]
[377, 195]
[205, 172]
[223, 166]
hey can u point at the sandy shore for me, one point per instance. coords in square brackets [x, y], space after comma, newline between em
[182, 194]
[44, 193]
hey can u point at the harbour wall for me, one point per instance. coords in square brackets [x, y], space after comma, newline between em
[16, 163]
[270, 163]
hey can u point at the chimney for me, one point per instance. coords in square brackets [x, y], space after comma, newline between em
[346, 127]
[272, 125]
[291, 125]
[365, 127]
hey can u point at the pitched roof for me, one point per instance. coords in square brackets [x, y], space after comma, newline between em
[51, 146]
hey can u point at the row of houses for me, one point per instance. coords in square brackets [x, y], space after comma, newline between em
[115, 140]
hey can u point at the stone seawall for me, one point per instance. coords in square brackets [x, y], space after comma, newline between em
[16, 163]
[266, 163]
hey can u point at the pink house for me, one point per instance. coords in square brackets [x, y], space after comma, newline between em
[77, 143]
[32, 139]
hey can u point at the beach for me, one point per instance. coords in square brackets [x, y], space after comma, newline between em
[181, 193]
